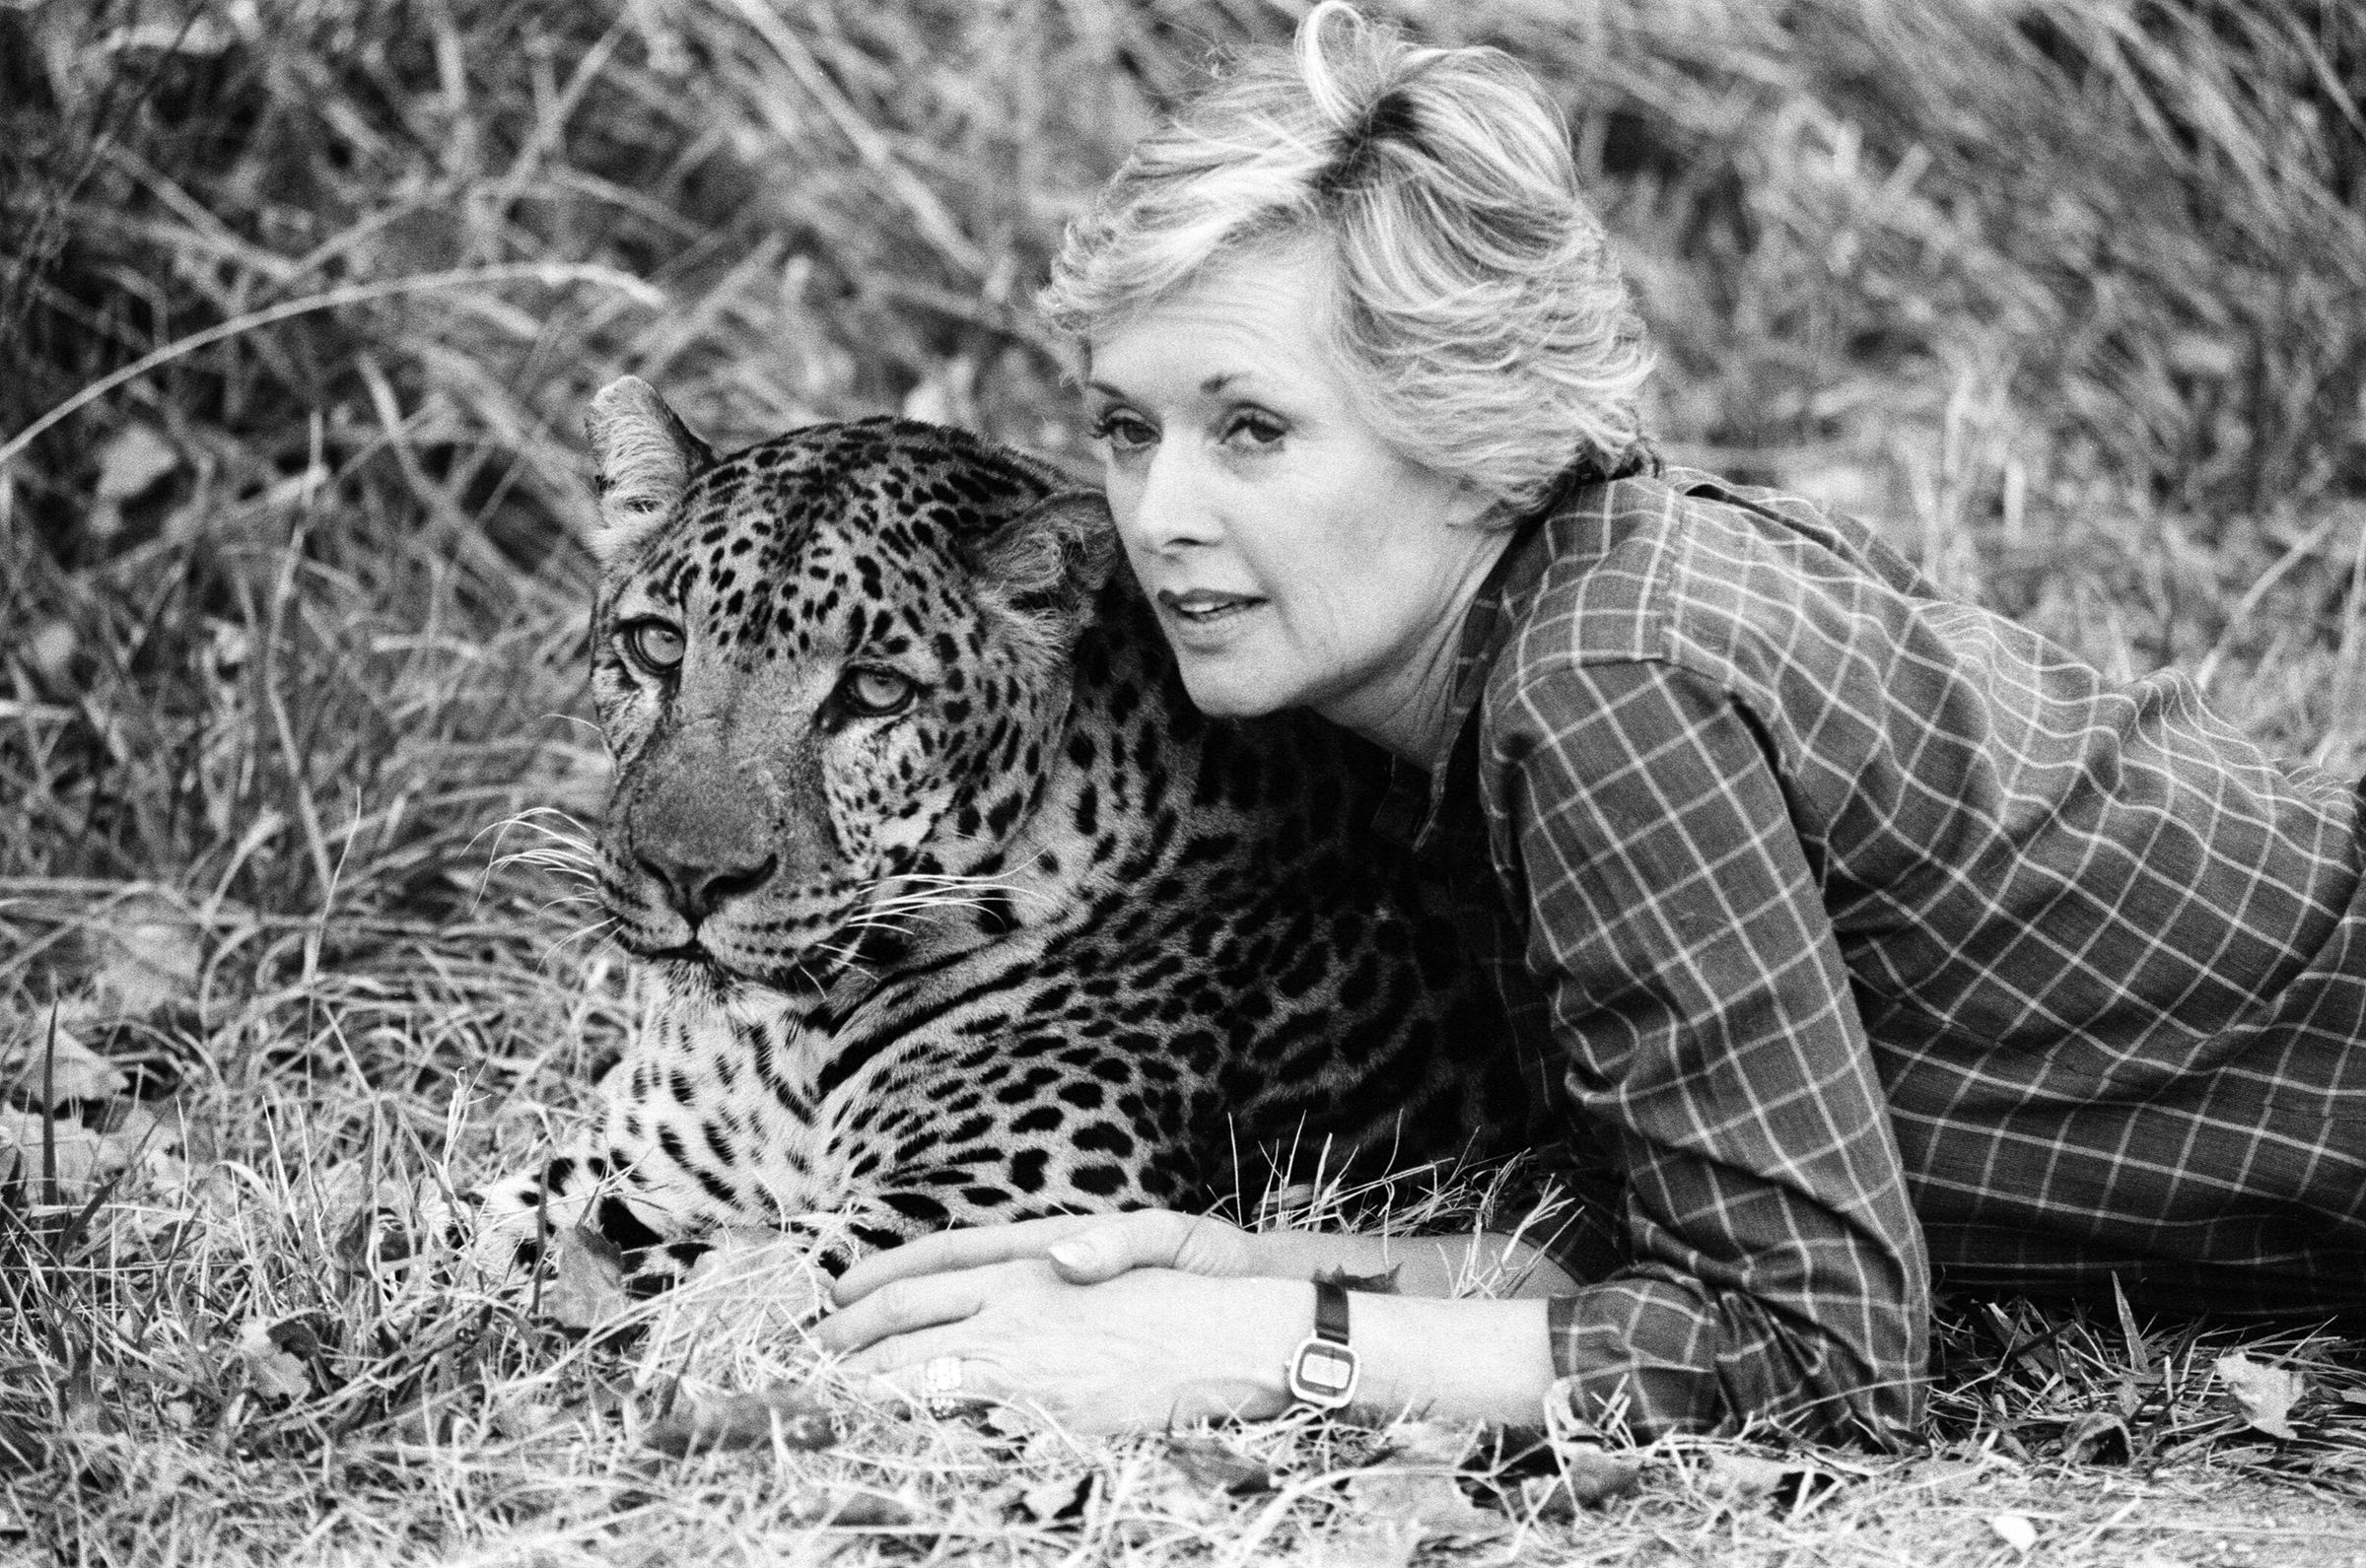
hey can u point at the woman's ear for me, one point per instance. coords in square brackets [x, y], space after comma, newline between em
[646, 456]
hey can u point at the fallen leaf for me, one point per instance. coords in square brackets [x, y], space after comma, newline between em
[1744, 1476]
[83, 1411]
[151, 957]
[1548, 1498]
[46, 1066]
[1427, 1443]
[521, 1418]
[2098, 1437]
[586, 1288]
[1010, 1421]
[1591, 1475]
[2266, 1395]
[1061, 1497]
[76, 1156]
[1187, 1492]
[1216, 1468]
[2014, 1529]
[1360, 1546]
[262, 1349]
[130, 463]
[783, 1413]
[1424, 1509]
[131, 460]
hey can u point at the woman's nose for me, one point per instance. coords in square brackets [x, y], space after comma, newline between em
[1170, 510]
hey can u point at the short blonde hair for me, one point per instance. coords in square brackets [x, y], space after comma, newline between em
[1473, 293]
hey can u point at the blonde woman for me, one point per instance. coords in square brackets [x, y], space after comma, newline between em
[1873, 931]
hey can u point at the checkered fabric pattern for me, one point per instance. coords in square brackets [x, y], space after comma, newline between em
[1875, 935]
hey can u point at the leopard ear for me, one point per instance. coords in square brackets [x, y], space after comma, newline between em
[1046, 565]
[646, 456]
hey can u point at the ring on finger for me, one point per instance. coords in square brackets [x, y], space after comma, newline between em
[941, 1379]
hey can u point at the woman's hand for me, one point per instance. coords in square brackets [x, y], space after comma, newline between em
[1146, 1348]
[1017, 1307]
[1084, 1249]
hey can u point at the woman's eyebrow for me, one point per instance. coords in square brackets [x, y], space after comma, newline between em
[1212, 386]
[1215, 387]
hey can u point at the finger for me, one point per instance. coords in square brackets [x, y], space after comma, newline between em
[899, 1360]
[898, 1372]
[1149, 1238]
[947, 1252]
[902, 1307]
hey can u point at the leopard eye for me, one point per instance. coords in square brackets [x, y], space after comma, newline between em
[654, 645]
[876, 693]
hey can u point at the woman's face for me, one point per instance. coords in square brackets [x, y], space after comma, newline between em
[1294, 559]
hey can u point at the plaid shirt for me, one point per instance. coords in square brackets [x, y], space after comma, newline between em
[1871, 932]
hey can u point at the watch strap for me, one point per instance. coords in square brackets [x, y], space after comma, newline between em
[1331, 1310]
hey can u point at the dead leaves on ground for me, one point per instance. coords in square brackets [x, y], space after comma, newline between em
[2050, 1384]
[279, 1357]
[1374, 1498]
[783, 1415]
[70, 1120]
[1216, 1467]
[66, 1125]
[585, 1286]
[2263, 1393]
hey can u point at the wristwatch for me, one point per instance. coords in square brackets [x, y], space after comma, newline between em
[1323, 1369]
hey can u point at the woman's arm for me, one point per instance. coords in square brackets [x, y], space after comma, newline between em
[1777, 1268]
[1154, 1347]
[1087, 1248]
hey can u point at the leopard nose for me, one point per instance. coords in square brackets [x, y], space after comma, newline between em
[699, 890]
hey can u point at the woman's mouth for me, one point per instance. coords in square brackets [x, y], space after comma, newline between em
[1204, 607]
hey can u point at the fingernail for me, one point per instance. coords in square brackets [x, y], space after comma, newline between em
[1072, 1255]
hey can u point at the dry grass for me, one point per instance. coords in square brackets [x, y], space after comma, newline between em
[301, 301]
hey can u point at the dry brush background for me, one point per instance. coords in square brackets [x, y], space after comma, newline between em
[300, 302]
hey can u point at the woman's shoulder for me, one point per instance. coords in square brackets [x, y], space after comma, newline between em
[1702, 573]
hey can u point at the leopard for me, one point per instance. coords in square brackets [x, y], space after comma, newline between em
[947, 905]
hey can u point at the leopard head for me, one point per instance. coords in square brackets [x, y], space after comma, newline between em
[829, 666]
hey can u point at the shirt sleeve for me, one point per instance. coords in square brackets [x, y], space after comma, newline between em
[1774, 1267]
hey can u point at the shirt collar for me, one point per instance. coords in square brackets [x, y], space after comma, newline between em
[1409, 813]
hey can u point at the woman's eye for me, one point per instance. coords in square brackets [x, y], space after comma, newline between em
[654, 643]
[1253, 429]
[1123, 431]
[876, 693]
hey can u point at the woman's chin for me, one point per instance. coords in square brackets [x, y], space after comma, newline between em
[1219, 694]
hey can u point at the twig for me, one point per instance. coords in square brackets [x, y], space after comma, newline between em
[549, 274]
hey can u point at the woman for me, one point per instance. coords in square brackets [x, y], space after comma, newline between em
[1873, 931]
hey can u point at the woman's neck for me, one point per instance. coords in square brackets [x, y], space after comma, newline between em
[1409, 708]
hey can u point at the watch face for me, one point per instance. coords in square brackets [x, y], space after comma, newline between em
[1322, 1369]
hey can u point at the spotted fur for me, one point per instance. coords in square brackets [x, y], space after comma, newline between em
[1044, 940]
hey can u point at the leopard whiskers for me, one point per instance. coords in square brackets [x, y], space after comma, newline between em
[924, 894]
[556, 843]
[592, 932]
